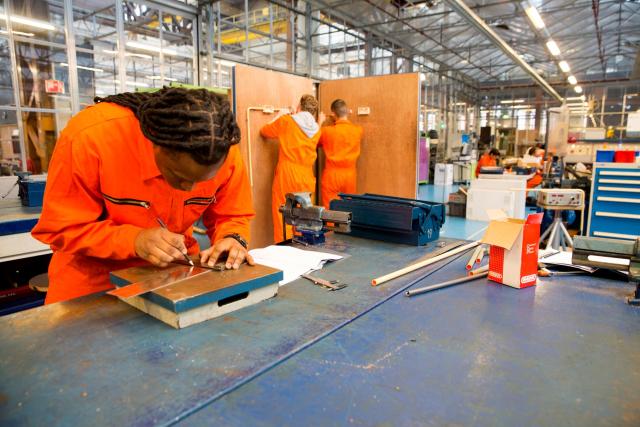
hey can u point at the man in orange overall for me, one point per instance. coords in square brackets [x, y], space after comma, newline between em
[487, 160]
[341, 145]
[298, 135]
[129, 177]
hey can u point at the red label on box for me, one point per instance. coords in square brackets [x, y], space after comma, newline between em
[54, 86]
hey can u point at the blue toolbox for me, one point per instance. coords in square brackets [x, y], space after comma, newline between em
[31, 189]
[392, 219]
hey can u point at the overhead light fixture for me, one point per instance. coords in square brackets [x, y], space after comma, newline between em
[460, 104]
[131, 83]
[553, 47]
[423, 77]
[578, 89]
[152, 48]
[572, 79]
[535, 17]
[170, 79]
[17, 33]
[512, 101]
[564, 66]
[82, 67]
[35, 23]
[225, 62]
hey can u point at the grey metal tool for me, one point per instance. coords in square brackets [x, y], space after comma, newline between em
[332, 285]
[311, 221]
[445, 284]
[611, 254]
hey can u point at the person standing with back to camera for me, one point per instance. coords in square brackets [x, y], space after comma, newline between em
[298, 135]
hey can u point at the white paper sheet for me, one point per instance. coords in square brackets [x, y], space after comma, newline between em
[292, 261]
[563, 258]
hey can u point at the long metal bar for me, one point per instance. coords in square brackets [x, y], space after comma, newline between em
[463, 10]
[16, 87]
[122, 65]
[464, 279]
[71, 56]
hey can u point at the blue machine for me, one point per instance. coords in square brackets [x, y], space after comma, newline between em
[392, 219]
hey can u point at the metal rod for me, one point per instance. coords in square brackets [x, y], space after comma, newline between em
[445, 284]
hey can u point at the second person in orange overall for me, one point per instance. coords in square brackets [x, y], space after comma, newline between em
[341, 144]
[298, 135]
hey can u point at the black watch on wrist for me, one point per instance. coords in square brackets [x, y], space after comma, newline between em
[239, 239]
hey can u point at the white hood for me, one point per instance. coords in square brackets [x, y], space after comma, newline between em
[307, 123]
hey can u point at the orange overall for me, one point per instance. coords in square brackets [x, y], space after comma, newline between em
[485, 161]
[104, 188]
[294, 171]
[341, 145]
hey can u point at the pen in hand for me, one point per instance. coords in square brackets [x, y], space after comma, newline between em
[163, 225]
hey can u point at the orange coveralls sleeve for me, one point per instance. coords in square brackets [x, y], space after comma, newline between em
[70, 219]
[294, 171]
[233, 208]
[104, 187]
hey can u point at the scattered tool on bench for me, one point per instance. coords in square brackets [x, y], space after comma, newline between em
[458, 281]
[311, 221]
[382, 279]
[474, 257]
[332, 285]
[611, 254]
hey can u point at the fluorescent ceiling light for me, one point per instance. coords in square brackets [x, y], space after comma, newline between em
[82, 67]
[578, 89]
[152, 48]
[458, 104]
[110, 52]
[35, 23]
[514, 101]
[564, 66]
[572, 79]
[17, 33]
[134, 84]
[576, 98]
[171, 79]
[553, 47]
[225, 62]
[535, 17]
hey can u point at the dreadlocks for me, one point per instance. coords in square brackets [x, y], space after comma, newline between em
[195, 121]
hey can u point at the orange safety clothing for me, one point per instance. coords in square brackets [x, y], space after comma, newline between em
[535, 180]
[104, 187]
[341, 145]
[485, 161]
[294, 171]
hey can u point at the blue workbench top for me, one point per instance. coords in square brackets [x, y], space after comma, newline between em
[563, 353]
[100, 359]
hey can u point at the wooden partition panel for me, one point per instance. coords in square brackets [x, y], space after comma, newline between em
[388, 163]
[255, 88]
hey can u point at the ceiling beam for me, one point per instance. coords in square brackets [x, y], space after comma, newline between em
[463, 10]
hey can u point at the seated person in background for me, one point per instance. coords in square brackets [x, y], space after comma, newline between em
[129, 177]
[298, 135]
[341, 144]
[487, 160]
[534, 158]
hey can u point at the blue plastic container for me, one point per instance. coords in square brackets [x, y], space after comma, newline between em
[605, 156]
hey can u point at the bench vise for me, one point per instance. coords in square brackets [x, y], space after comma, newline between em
[611, 254]
[310, 221]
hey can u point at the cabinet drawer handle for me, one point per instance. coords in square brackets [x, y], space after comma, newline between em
[617, 215]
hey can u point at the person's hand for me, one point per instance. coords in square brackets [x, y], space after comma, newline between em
[236, 254]
[321, 118]
[159, 246]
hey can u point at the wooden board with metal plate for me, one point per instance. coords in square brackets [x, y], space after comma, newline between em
[183, 295]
